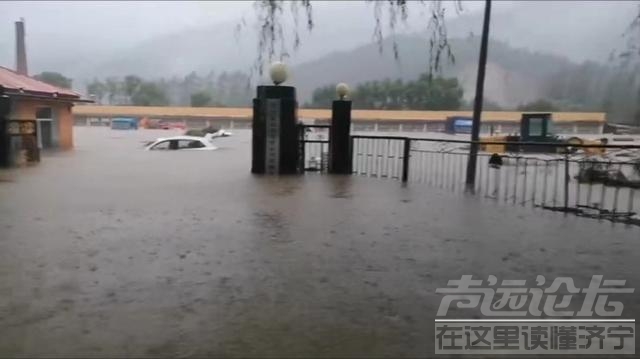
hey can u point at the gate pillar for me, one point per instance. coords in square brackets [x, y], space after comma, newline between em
[5, 109]
[275, 147]
[339, 134]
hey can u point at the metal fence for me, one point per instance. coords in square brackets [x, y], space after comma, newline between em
[314, 147]
[381, 157]
[604, 187]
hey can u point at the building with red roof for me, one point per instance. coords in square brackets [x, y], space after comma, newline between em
[38, 115]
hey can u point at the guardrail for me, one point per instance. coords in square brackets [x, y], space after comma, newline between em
[568, 181]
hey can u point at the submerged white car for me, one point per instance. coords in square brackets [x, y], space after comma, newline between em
[192, 143]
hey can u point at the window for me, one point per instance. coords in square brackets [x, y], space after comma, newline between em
[550, 128]
[187, 144]
[44, 112]
[164, 145]
[535, 126]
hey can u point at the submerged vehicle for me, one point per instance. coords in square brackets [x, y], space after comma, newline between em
[458, 124]
[609, 173]
[215, 132]
[156, 124]
[182, 143]
[123, 123]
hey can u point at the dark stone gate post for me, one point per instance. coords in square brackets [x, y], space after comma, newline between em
[5, 108]
[340, 138]
[340, 134]
[275, 148]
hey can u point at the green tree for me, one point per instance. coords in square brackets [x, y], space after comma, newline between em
[201, 99]
[226, 89]
[487, 105]
[395, 92]
[322, 97]
[54, 78]
[132, 85]
[538, 105]
[436, 94]
[98, 89]
[149, 94]
[621, 99]
[113, 89]
[423, 94]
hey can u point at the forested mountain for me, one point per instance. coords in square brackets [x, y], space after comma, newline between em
[209, 89]
[514, 76]
[577, 30]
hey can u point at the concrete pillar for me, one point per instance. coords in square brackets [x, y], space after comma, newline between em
[21, 52]
[275, 140]
[5, 109]
[340, 138]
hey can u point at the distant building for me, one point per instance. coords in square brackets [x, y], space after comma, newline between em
[363, 120]
[49, 108]
[40, 114]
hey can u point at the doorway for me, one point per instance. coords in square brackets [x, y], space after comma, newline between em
[45, 133]
[45, 128]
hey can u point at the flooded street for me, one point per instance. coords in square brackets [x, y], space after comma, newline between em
[110, 250]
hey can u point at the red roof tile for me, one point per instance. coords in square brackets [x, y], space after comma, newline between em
[11, 80]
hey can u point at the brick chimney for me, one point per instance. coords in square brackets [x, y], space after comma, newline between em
[21, 51]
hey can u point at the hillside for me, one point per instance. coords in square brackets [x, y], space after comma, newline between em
[577, 30]
[217, 47]
[514, 75]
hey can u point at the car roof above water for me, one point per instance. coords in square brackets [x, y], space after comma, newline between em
[189, 138]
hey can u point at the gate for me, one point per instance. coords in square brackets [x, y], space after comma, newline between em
[314, 148]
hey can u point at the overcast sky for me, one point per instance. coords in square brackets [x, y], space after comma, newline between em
[129, 22]
[63, 35]
[132, 21]
[56, 29]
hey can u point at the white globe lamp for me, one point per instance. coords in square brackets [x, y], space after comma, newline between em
[342, 90]
[278, 72]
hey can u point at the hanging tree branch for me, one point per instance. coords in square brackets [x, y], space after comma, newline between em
[633, 35]
[436, 28]
[393, 8]
[631, 53]
[271, 16]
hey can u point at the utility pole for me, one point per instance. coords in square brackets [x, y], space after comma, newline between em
[477, 105]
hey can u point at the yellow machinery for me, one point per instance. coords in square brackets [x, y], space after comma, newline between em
[536, 127]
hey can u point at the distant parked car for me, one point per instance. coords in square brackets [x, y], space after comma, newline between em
[191, 143]
[215, 132]
[121, 123]
[167, 125]
[161, 124]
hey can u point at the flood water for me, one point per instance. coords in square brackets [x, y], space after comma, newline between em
[109, 250]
